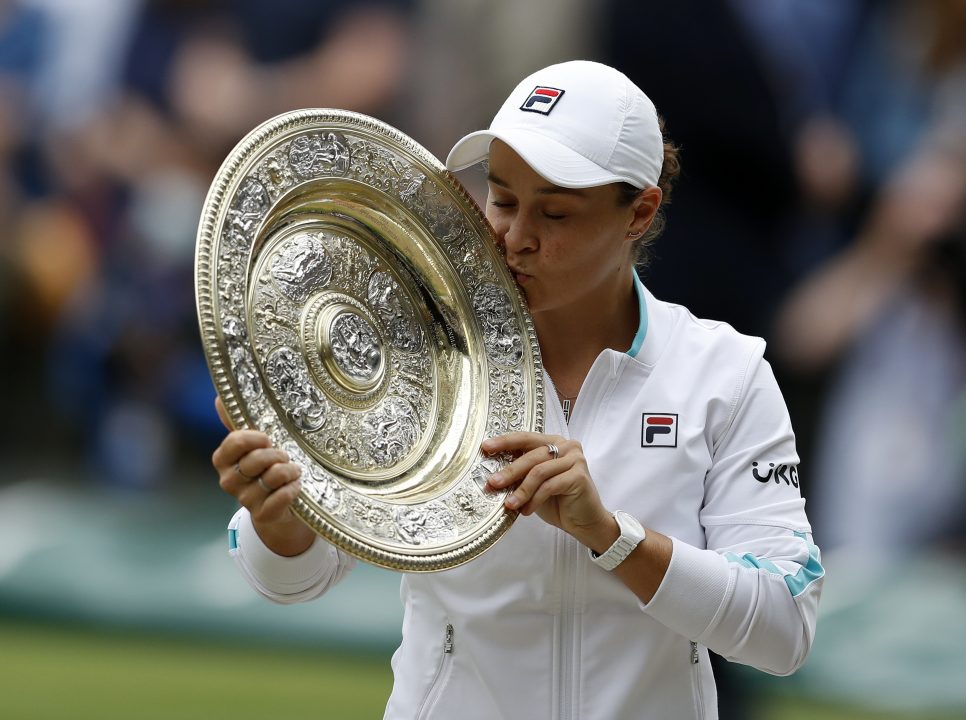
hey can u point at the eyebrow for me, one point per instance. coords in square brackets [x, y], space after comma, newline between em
[545, 190]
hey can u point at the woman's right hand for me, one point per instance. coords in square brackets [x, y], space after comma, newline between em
[264, 480]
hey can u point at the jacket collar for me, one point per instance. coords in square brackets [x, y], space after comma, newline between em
[653, 329]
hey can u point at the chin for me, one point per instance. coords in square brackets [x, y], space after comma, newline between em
[533, 303]
[535, 306]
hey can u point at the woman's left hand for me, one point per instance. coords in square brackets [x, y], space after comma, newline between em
[560, 490]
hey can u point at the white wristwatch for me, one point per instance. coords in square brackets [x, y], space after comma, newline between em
[632, 535]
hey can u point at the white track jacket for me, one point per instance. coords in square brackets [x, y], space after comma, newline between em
[689, 433]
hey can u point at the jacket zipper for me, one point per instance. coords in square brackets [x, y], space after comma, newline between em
[568, 589]
[566, 658]
[568, 558]
[696, 680]
[442, 671]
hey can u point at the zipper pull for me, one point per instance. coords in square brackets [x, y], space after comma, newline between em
[448, 640]
[694, 653]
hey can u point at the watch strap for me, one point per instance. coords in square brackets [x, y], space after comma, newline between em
[632, 534]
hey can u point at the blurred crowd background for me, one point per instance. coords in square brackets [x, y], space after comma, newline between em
[821, 207]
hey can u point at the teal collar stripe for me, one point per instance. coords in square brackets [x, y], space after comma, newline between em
[796, 583]
[642, 325]
[232, 539]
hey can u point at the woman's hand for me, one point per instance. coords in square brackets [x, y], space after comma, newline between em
[262, 479]
[559, 489]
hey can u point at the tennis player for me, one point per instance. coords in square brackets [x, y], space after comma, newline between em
[661, 514]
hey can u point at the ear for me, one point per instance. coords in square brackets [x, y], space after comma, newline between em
[644, 209]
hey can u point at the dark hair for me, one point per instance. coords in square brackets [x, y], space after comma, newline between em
[627, 193]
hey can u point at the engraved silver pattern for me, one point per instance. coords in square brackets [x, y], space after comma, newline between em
[504, 343]
[316, 154]
[420, 525]
[396, 312]
[249, 208]
[304, 404]
[391, 431]
[355, 346]
[302, 268]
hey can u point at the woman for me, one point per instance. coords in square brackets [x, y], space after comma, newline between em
[677, 423]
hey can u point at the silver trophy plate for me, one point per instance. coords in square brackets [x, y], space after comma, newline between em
[354, 307]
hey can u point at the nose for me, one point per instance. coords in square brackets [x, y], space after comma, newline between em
[517, 234]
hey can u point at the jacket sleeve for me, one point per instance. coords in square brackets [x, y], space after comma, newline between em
[752, 594]
[285, 580]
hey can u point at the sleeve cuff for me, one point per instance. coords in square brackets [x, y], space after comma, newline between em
[283, 575]
[692, 592]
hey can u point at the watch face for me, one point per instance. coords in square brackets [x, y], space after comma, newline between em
[629, 525]
[354, 306]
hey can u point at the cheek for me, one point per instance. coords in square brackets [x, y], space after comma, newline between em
[499, 226]
[593, 252]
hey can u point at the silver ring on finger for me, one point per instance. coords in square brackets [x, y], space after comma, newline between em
[554, 450]
[247, 477]
[263, 485]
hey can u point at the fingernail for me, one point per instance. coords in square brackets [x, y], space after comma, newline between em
[496, 478]
[513, 502]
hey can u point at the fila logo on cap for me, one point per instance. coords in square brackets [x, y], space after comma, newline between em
[659, 430]
[542, 100]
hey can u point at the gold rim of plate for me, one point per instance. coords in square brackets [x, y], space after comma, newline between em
[354, 306]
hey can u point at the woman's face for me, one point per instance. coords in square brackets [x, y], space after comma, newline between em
[563, 246]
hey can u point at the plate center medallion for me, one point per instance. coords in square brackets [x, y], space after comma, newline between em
[357, 352]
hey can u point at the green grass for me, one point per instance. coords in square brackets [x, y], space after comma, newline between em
[53, 672]
[58, 673]
[784, 708]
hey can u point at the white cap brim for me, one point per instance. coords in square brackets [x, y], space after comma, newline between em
[552, 160]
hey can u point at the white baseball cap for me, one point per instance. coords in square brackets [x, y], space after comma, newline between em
[578, 124]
